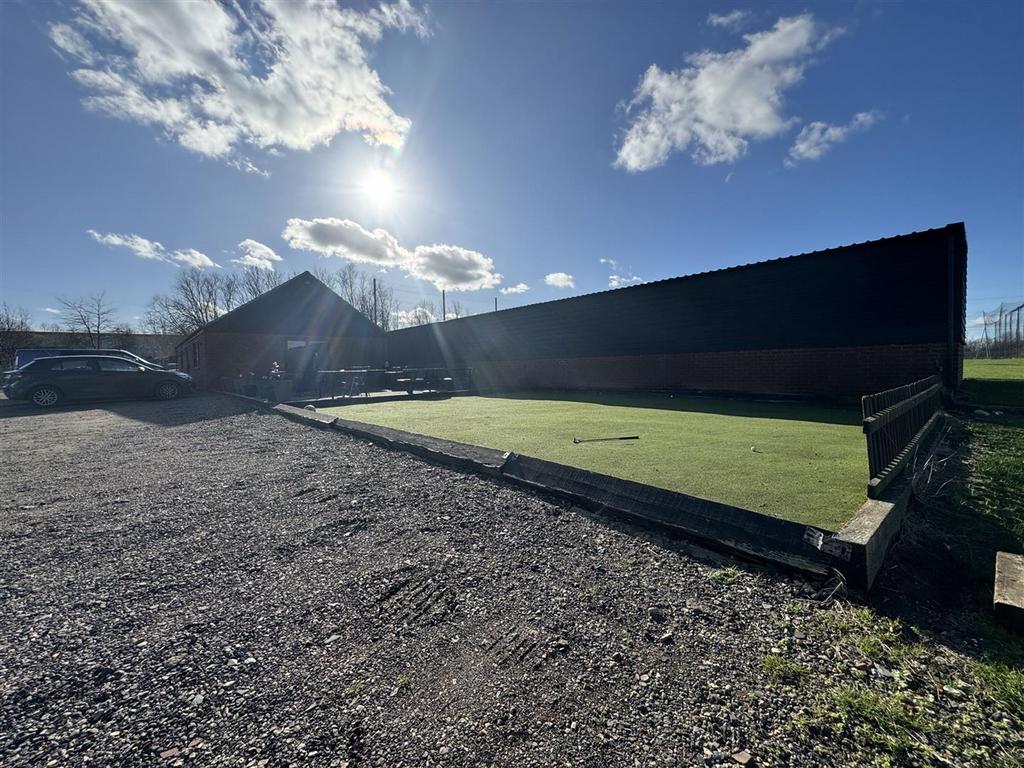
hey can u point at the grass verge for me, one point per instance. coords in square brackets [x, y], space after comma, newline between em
[886, 701]
[994, 382]
[953, 694]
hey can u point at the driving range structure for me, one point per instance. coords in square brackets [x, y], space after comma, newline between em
[723, 404]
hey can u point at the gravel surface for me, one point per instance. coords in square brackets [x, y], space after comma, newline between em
[198, 583]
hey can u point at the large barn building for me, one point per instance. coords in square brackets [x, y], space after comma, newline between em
[301, 325]
[837, 323]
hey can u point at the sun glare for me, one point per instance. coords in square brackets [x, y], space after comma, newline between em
[379, 187]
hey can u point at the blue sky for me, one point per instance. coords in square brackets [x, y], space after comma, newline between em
[564, 147]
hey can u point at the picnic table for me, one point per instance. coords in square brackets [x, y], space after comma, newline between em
[353, 382]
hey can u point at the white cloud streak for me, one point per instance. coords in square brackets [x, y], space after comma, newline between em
[154, 251]
[818, 138]
[617, 278]
[447, 267]
[732, 20]
[517, 288]
[560, 280]
[217, 77]
[720, 102]
[51, 310]
[256, 254]
[72, 43]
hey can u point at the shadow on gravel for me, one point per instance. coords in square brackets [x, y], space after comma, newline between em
[187, 410]
[670, 540]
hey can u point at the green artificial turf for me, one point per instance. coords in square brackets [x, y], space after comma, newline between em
[810, 462]
[994, 382]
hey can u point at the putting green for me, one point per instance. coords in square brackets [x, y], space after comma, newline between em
[801, 462]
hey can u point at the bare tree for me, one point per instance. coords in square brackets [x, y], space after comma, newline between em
[455, 309]
[91, 317]
[371, 297]
[325, 276]
[230, 291]
[386, 306]
[199, 297]
[254, 282]
[15, 332]
[355, 288]
[195, 300]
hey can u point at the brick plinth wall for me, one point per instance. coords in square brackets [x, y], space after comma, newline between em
[225, 355]
[838, 373]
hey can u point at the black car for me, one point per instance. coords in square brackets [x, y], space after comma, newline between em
[51, 380]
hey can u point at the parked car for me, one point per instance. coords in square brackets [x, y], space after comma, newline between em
[26, 356]
[51, 380]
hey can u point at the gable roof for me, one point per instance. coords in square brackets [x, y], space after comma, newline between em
[301, 306]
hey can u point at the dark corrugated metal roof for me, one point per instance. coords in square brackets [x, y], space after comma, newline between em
[300, 306]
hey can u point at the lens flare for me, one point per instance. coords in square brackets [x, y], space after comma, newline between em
[379, 188]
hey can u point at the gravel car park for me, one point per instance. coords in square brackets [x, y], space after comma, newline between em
[204, 583]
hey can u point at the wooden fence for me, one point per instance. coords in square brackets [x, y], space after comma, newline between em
[896, 421]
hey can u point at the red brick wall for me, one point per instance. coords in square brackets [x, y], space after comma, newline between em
[192, 358]
[837, 373]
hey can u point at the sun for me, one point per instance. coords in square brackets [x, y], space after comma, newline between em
[379, 187]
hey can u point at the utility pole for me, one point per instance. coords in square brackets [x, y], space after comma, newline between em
[375, 301]
[444, 309]
[495, 303]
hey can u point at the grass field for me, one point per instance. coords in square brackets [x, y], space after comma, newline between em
[994, 382]
[810, 462]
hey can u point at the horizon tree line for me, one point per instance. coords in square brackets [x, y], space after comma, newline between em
[197, 297]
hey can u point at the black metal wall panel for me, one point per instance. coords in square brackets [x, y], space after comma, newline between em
[892, 291]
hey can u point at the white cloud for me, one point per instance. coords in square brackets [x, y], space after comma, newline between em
[218, 76]
[818, 138]
[448, 267]
[560, 280]
[621, 281]
[452, 267]
[152, 250]
[517, 288]
[345, 238]
[403, 318]
[721, 101]
[51, 310]
[617, 279]
[193, 258]
[257, 255]
[732, 20]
